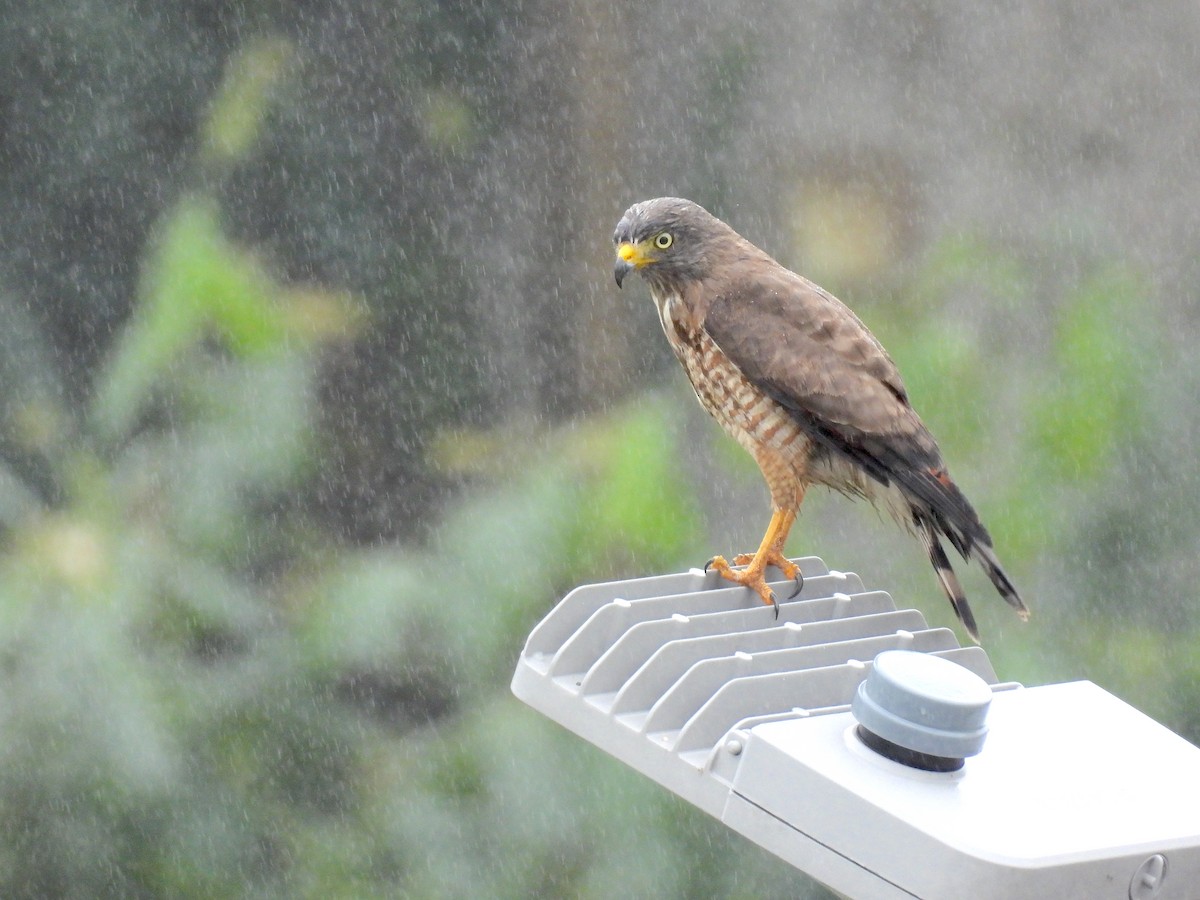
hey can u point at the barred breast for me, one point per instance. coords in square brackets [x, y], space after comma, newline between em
[754, 420]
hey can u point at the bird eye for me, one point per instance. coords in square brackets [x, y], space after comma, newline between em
[663, 241]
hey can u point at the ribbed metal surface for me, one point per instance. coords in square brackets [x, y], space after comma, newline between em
[675, 662]
[698, 686]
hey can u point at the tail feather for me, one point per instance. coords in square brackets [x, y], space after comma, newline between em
[945, 574]
[939, 509]
[986, 557]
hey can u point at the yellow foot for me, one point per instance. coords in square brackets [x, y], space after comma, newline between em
[770, 553]
[752, 575]
[779, 561]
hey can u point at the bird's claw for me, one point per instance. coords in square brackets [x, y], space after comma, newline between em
[799, 578]
[778, 560]
[752, 575]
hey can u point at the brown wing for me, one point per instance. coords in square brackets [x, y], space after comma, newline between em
[816, 359]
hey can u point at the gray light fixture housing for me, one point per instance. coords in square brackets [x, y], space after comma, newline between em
[882, 774]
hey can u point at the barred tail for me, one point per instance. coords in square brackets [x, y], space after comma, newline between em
[986, 557]
[945, 574]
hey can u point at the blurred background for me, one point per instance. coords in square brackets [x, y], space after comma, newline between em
[317, 394]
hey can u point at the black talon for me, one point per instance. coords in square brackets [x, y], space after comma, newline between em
[709, 563]
[774, 604]
[799, 585]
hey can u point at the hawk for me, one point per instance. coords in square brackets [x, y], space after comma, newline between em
[797, 379]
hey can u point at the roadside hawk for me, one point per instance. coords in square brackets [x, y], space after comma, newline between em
[798, 380]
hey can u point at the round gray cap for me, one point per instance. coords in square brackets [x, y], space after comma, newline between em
[924, 703]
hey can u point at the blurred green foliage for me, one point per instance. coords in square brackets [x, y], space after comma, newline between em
[1093, 395]
[234, 121]
[206, 691]
[1049, 464]
[195, 282]
[204, 695]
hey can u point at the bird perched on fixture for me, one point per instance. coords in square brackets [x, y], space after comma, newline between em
[797, 379]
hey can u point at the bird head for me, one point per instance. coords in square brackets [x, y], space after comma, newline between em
[667, 240]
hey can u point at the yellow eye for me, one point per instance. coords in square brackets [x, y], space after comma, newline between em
[663, 241]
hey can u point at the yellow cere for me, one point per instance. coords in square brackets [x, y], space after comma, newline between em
[631, 253]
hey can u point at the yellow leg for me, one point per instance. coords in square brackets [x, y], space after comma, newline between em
[770, 553]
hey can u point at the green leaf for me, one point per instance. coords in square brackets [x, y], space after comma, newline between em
[240, 106]
[642, 505]
[1090, 399]
[194, 281]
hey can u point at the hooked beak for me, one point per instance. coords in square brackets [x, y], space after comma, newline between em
[629, 257]
[621, 268]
